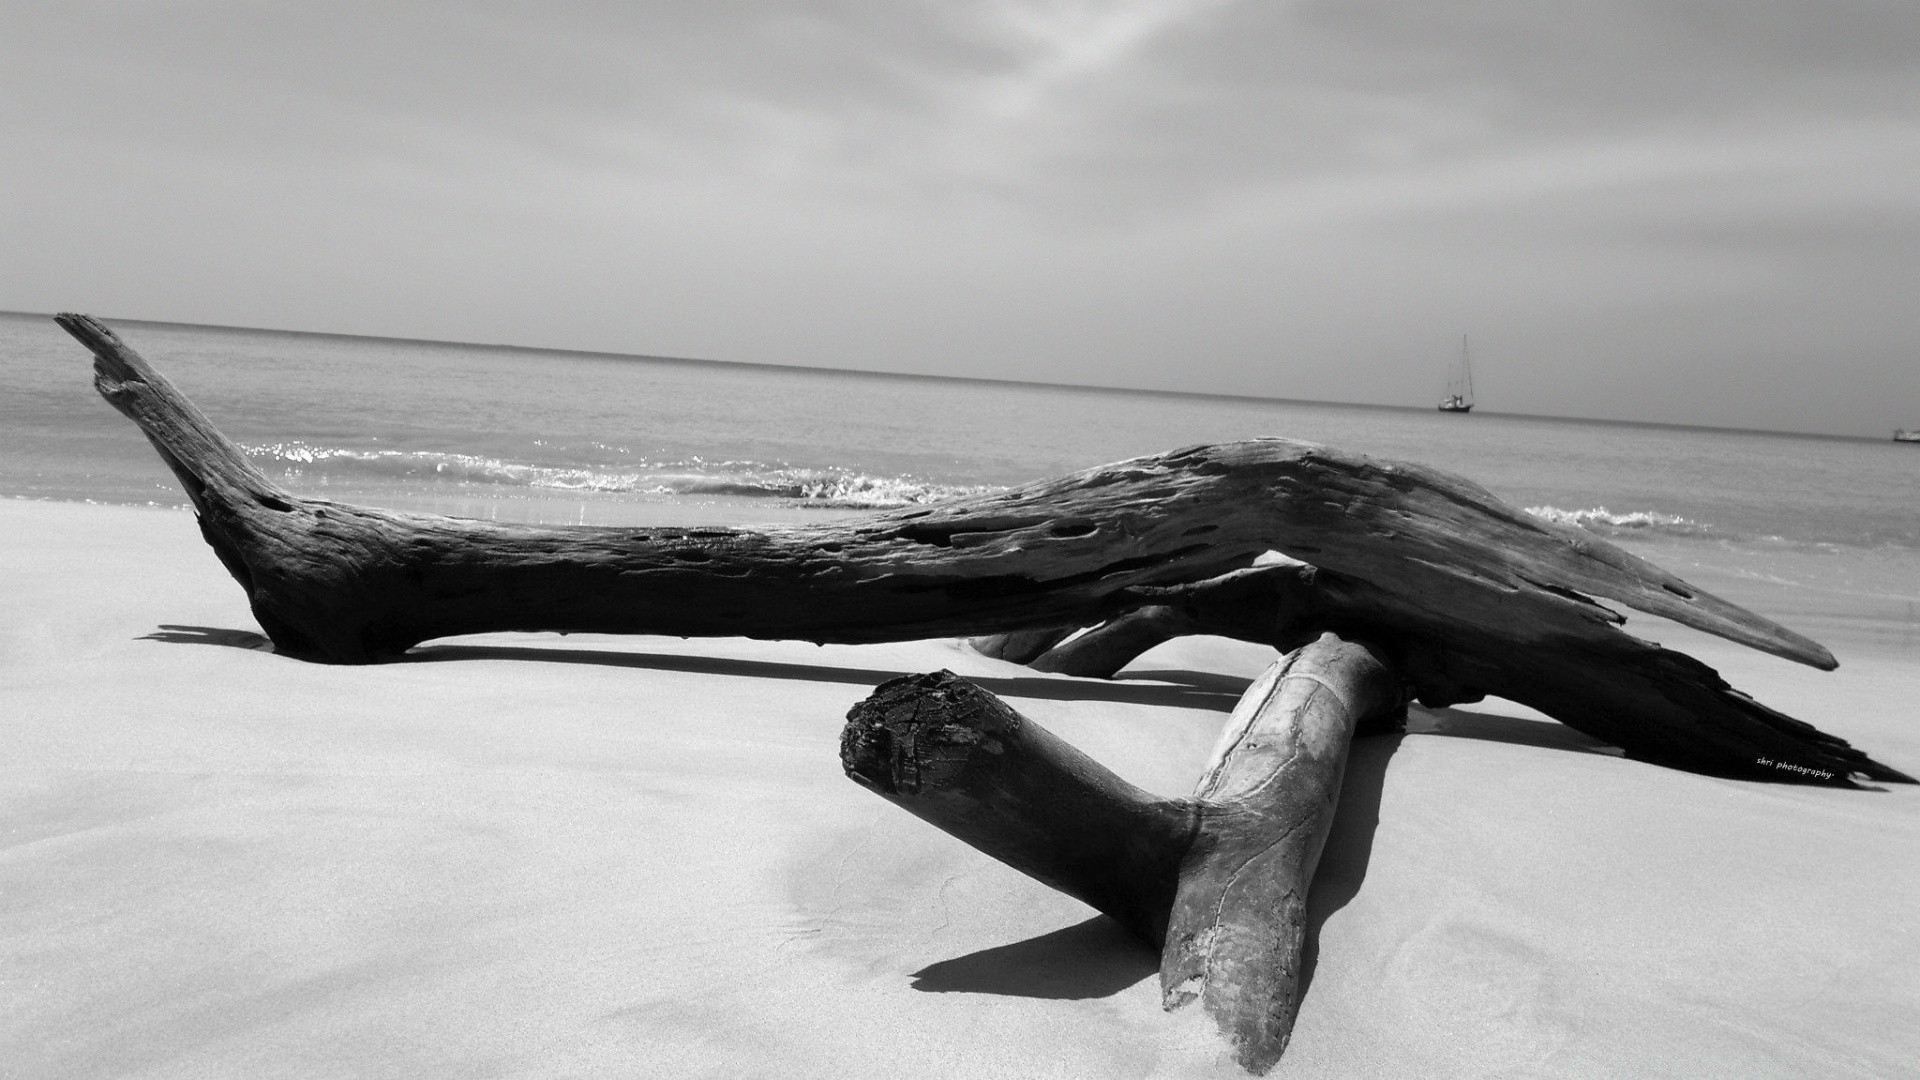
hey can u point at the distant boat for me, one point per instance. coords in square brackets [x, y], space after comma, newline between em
[1903, 435]
[1460, 386]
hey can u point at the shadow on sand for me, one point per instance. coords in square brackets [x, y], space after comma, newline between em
[1091, 959]
[1095, 958]
[174, 634]
[1179, 689]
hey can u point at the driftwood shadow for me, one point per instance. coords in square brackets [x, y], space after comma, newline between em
[1193, 695]
[1170, 687]
[1091, 959]
[1208, 682]
[1189, 690]
[1512, 730]
[178, 634]
[1349, 848]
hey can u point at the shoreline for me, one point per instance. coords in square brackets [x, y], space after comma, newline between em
[549, 856]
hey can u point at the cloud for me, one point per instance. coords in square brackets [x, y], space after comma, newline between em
[1068, 41]
[1075, 189]
[1082, 109]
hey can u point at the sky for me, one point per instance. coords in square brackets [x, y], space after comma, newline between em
[1662, 210]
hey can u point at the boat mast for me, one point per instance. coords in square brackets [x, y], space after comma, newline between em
[1466, 370]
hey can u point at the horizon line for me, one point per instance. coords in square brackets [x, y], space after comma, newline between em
[1037, 384]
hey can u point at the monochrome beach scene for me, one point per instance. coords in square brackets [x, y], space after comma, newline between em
[845, 541]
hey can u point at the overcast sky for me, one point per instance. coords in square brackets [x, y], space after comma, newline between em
[1662, 210]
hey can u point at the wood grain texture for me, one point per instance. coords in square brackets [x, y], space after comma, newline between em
[1238, 925]
[1218, 881]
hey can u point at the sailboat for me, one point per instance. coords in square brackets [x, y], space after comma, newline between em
[1460, 387]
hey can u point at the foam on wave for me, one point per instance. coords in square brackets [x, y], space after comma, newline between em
[1601, 520]
[825, 487]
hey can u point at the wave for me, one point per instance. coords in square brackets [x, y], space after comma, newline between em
[814, 487]
[1599, 519]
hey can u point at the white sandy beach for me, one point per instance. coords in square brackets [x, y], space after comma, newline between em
[549, 856]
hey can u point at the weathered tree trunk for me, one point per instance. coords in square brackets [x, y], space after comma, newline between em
[1481, 596]
[1218, 882]
[350, 584]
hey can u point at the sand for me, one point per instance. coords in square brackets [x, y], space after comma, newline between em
[543, 856]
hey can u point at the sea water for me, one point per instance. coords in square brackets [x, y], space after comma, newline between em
[1820, 532]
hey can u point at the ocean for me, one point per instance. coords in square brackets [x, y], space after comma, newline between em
[1822, 533]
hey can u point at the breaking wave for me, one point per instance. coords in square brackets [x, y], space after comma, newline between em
[815, 487]
[1601, 520]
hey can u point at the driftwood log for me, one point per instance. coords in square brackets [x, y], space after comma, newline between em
[1475, 596]
[1395, 579]
[1217, 882]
